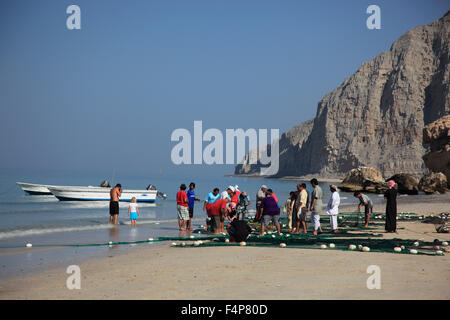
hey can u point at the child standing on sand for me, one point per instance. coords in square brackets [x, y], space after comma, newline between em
[133, 212]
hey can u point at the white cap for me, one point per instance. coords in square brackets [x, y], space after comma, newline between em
[263, 186]
[236, 187]
[231, 188]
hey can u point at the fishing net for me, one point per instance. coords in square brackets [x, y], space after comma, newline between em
[350, 234]
[374, 245]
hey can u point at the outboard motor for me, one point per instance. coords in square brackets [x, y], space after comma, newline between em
[161, 195]
[105, 184]
[158, 193]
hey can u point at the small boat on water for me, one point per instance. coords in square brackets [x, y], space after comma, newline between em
[90, 193]
[67, 193]
[42, 189]
[35, 189]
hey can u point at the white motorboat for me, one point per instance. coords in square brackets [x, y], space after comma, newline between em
[35, 189]
[42, 189]
[67, 193]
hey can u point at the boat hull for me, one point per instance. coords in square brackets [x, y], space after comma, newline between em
[100, 194]
[34, 189]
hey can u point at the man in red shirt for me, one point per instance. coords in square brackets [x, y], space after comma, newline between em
[218, 211]
[235, 197]
[182, 207]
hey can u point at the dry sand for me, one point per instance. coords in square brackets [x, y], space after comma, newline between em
[164, 272]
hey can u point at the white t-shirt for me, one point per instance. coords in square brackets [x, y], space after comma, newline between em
[225, 195]
[133, 206]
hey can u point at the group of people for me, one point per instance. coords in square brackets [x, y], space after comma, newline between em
[296, 207]
[231, 204]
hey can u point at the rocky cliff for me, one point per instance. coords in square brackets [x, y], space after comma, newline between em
[290, 145]
[437, 136]
[376, 116]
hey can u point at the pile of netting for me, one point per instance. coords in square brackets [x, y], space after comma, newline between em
[323, 242]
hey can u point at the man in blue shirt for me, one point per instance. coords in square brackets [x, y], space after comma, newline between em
[191, 198]
[210, 199]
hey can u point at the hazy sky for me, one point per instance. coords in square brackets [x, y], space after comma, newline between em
[109, 95]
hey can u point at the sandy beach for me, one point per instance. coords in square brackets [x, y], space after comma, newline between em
[164, 272]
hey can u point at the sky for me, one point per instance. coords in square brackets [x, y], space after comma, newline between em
[108, 96]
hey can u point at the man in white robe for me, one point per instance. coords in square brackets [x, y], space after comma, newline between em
[333, 207]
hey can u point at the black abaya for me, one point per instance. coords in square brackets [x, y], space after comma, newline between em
[391, 210]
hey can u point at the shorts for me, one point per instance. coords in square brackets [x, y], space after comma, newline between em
[215, 220]
[302, 214]
[113, 208]
[191, 213]
[275, 220]
[133, 216]
[368, 209]
[183, 212]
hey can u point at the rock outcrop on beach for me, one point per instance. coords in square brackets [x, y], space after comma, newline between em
[364, 179]
[375, 118]
[437, 136]
[406, 183]
[433, 182]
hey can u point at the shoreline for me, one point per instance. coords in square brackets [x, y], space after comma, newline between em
[289, 178]
[153, 271]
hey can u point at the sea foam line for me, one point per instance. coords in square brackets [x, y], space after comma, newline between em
[32, 232]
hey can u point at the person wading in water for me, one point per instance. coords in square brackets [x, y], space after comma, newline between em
[114, 196]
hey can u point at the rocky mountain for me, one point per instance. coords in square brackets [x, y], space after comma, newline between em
[375, 118]
[437, 136]
[290, 145]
